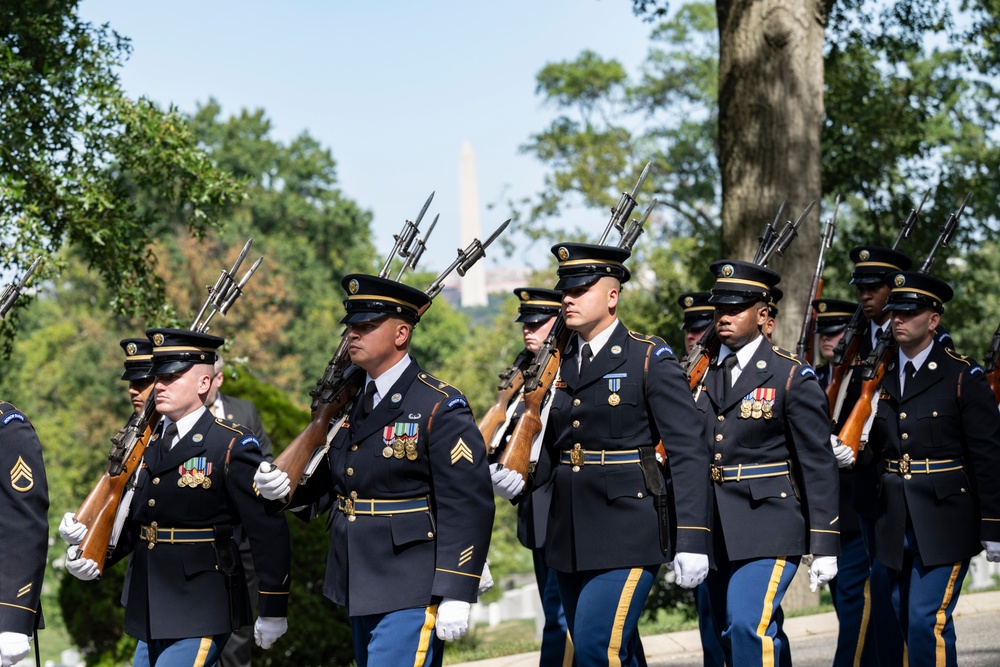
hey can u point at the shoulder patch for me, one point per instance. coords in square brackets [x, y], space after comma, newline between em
[457, 401]
[977, 370]
[11, 416]
[958, 357]
[434, 383]
[663, 349]
[250, 440]
[808, 370]
[781, 352]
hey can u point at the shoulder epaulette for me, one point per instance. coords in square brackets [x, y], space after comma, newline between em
[643, 338]
[957, 357]
[435, 384]
[781, 352]
[232, 426]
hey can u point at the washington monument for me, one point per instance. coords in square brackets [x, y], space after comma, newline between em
[473, 291]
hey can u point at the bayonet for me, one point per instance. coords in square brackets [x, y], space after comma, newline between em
[12, 292]
[620, 214]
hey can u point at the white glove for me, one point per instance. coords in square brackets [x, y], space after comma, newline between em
[843, 453]
[272, 482]
[83, 569]
[992, 551]
[13, 647]
[689, 569]
[486, 580]
[452, 619]
[507, 483]
[268, 629]
[72, 530]
[822, 570]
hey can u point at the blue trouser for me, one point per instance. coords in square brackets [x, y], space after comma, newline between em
[602, 611]
[712, 652]
[745, 598]
[925, 598]
[188, 652]
[404, 637]
[851, 595]
[557, 649]
[887, 637]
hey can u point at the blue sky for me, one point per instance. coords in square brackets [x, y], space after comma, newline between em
[392, 88]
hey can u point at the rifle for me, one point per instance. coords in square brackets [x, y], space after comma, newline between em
[805, 347]
[847, 347]
[875, 365]
[332, 400]
[990, 365]
[12, 292]
[511, 381]
[102, 507]
[544, 368]
[696, 364]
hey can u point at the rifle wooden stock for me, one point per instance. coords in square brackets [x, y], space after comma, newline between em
[696, 365]
[993, 378]
[850, 433]
[100, 507]
[496, 416]
[517, 454]
[837, 373]
[295, 457]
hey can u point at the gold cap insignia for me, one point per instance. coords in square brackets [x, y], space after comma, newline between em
[821, 308]
[563, 254]
[157, 339]
[688, 302]
[21, 479]
[900, 280]
[864, 255]
[353, 286]
[728, 270]
[131, 348]
[525, 296]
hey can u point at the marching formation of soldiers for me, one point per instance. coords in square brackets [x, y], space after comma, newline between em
[733, 464]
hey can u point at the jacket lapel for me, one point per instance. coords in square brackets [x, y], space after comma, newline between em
[569, 371]
[929, 374]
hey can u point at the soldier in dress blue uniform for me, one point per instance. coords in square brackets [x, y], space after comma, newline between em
[24, 530]
[698, 315]
[934, 443]
[851, 588]
[408, 487]
[536, 312]
[611, 523]
[185, 590]
[773, 473]
[772, 313]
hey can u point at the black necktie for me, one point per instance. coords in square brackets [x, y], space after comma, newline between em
[169, 434]
[908, 371]
[585, 356]
[727, 366]
[368, 404]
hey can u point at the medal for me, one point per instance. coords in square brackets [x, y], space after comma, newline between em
[182, 481]
[207, 483]
[387, 452]
[745, 408]
[614, 384]
[411, 450]
[398, 449]
[614, 400]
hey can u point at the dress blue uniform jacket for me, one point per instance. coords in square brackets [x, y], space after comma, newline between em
[602, 516]
[948, 412]
[176, 590]
[24, 526]
[848, 515]
[380, 564]
[788, 515]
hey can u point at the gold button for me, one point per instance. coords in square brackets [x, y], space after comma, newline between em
[352, 518]
[905, 436]
[963, 489]
[902, 415]
[784, 495]
[156, 480]
[639, 495]
[150, 545]
[718, 457]
[577, 444]
[154, 525]
[721, 418]
[354, 494]
[576, 468]
[354, 448]
[430, 534]
[576, 423]
[934, 414]
[718, 437]
[576, 401]
[151, 502]
[350, 471]
[907, 476]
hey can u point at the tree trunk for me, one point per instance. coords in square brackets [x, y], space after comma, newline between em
[770, 116]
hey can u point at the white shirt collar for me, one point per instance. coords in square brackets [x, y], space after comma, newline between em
[384, 382]
[743, 355]
[918, 360]
[600, 340]
[184, 424]
[872, 328]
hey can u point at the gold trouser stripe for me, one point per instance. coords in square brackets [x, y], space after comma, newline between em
[568, 651]
[426, 632]
[941, 617]
[865, 615]
[615, 643]
[767, 644]
[203, 648]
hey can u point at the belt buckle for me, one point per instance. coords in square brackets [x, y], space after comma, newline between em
[715, 473]
[904, 465]
[576, 455]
